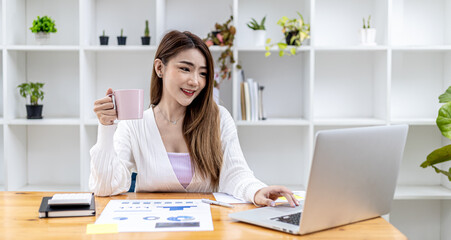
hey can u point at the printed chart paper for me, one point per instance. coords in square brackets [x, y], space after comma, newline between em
[224, 197]
[165, 215]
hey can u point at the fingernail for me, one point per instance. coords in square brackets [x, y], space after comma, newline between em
[273, 204]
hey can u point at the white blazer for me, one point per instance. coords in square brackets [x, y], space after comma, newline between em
[136, 146]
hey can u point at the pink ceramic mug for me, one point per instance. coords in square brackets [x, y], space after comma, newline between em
[129, 103]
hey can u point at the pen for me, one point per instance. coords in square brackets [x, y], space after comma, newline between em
[217, 203]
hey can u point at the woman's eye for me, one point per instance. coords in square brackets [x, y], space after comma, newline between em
[203, 74]
[184, 69]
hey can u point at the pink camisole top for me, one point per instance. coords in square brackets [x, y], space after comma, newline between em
[181, 164]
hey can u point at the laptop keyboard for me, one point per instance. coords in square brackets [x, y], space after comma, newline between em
[291, 219]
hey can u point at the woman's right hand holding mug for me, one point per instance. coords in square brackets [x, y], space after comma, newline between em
[104, 109]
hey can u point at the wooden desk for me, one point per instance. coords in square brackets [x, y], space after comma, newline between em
[19, 219]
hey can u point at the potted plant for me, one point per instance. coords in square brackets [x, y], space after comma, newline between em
[259, 31]
[103, 39]
[367, 33]
[443, 122]
[295, 31]
[146, 39]
[33, 90]
[121, 40]
[42, 27]
[223, 35]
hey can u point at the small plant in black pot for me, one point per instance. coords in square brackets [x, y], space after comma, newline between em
[104, 39]
[121, 40]
[146, 39]
[33, 90]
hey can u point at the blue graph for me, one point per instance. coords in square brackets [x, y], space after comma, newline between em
[176, 208]
[181, 218]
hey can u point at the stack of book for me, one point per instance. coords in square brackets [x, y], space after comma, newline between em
[68, 205]
[251, 100]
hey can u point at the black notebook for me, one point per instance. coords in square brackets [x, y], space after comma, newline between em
[46, 211]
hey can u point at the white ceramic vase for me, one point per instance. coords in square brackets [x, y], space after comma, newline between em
[363, 36]
[368, 36]
[259, 38]
[371, 36]
[42, 38]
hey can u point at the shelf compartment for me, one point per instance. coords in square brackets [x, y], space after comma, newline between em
[434, 22]
[2, 160]
[338, 23]
[61, 98]
[88, 140]
[198, 20]
[261, 157]
[45, 121]
[2, 33]
[421, 141]
[106, 15]
[418, 79]
[257, 9]
[421, 219]
[43, 155]
[287, 76]
[275, 122]
[116, 70]
[21, 13]
[2, 99]
[350, 85]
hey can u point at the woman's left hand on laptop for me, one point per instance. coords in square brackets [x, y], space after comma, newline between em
[268, 195]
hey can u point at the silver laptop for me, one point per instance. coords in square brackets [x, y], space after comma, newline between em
[352, 178]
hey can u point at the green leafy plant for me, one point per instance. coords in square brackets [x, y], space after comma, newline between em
[295, 31]
[223, 35]
[368, 23]
[122, 32]
[44, 24]
[146, 30]
[33, 90]
[443, 122]
[254, 25]
[103, 34]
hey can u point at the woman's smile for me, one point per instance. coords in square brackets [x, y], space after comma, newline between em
[187, 92]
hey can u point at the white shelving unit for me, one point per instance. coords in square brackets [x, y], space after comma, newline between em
[332, 82]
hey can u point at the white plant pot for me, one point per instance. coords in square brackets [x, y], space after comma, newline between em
[371, 36]
[42, 37]
[259, 37]
[363, 36]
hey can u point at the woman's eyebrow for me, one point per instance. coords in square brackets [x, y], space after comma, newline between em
[191, 64]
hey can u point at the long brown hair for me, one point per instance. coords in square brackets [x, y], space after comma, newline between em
[201, 123]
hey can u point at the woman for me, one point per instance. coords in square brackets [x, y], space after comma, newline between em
[184, 143]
